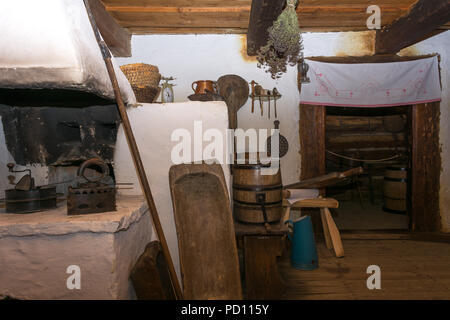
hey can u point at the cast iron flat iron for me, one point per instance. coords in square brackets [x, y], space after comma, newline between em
[26, 198]
[92, 196]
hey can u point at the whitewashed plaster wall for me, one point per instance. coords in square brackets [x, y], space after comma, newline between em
[441, 44]
[153, 125]
[207, 57]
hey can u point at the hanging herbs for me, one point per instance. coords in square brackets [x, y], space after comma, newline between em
[284, 44]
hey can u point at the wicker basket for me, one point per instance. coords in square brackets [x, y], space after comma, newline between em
[146, 94]
[142, 75]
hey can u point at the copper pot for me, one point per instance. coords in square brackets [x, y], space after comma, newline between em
[202, 86]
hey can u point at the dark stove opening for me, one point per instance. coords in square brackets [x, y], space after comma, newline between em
[60, 136]
[57, 129]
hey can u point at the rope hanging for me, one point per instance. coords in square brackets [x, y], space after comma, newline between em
[363, 160]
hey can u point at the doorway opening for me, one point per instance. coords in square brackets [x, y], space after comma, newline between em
[377, 139]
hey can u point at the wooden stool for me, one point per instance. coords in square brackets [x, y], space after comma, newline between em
[331, 233]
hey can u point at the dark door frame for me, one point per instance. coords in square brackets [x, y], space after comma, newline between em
[425, 159]
[425, 168]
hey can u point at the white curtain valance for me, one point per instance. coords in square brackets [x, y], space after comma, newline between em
[372, 84]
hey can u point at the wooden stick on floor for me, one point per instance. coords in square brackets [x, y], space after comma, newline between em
[287, 214]
[326, 231]
[334, 234]
[135, 155]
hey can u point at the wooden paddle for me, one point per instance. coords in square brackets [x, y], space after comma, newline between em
[234, 90]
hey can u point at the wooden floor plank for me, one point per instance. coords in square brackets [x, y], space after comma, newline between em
[357, 277]
[320, 296]
[409, 270]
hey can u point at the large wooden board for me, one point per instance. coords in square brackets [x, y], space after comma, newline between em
[150, 275]
[206, 238]
[116, 37]
[262, 15]
[423, 18]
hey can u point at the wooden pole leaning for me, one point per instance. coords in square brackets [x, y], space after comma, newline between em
[136, 156]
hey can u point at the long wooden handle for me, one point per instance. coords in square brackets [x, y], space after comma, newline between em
[136, 156]
[351, 172]
[325, 180]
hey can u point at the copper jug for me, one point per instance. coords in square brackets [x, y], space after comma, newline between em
[202, 86]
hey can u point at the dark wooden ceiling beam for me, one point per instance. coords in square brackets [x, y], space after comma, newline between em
[424, 17]
[191, 9]
[186, 30]
[116, 37]
[262, 15]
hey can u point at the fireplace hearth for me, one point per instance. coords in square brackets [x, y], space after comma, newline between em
[61, 136]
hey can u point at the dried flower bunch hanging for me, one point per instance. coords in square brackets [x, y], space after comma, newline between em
[284, 43]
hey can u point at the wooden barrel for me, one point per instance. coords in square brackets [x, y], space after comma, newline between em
[395, 189]
[253, 191]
